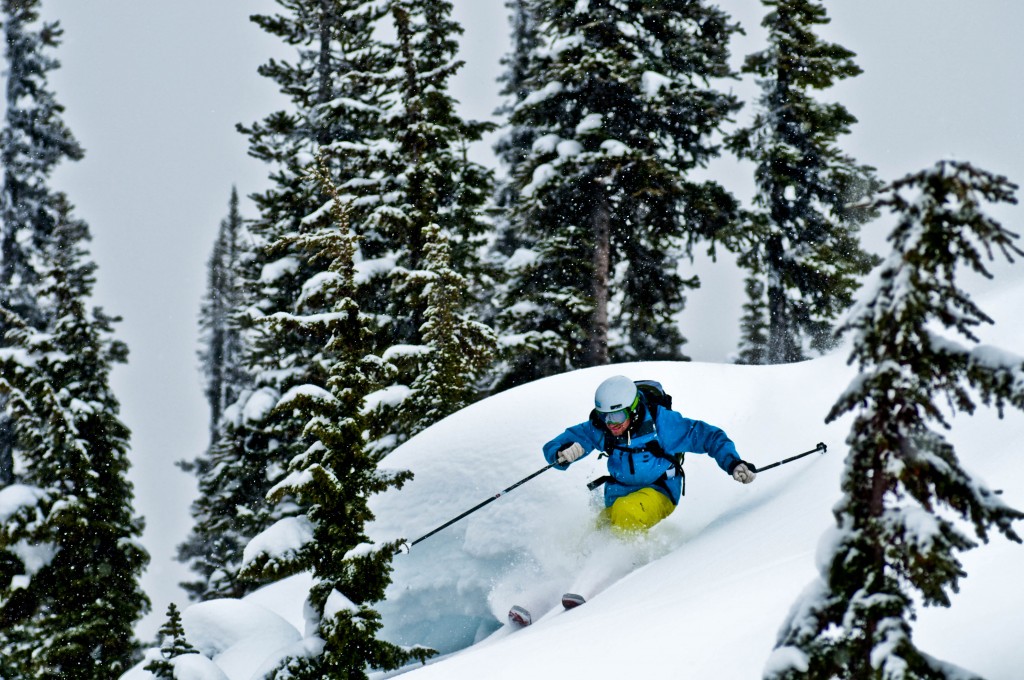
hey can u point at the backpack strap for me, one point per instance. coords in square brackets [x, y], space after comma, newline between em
[653, 447]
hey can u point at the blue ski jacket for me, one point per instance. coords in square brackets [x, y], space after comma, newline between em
[641, 457]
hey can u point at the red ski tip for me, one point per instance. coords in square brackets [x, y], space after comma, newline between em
[519, 616]
[570, 600]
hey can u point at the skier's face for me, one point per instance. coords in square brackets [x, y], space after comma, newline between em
[619, 429]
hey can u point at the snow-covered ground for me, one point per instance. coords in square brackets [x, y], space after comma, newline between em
[701, 597]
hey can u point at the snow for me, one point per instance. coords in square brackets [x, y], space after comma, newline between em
[186, 667]
[613, 147]
[542, 174]
[569, 148]
[259, 404]
[197, 667]
[367, 269]
[653, 83]
[546, 143]
[17, 496]
[399, 352]
[336, 602]
[708, 588]
[317, 284]
[392, 395]
[34, 556]
[273, 271]
[307, 391]
[283, 538]
[590, 122]
[235, 633]
[537, 96]
[522, 257]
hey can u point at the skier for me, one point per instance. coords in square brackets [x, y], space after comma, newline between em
[644, 442]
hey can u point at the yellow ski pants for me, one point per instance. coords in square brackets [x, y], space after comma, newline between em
[636, 512]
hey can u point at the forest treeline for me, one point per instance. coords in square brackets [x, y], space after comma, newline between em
[386, 281]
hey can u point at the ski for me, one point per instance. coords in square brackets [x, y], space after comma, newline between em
[519, 616]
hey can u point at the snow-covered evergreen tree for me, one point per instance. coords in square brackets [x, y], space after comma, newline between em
[75, 595]
[620, 111]
[231, 473]
[516, 141]
[231, 506]
[413, 178]
[220, 338]
[908, 505]
[801, 241]
[34, 140]
[333, 478]
[459, 349]
[172, 645]
[328, 102]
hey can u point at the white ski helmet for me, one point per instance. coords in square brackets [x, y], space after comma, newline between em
[615, 394]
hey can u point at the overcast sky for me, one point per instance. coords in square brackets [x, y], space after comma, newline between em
[153, 91]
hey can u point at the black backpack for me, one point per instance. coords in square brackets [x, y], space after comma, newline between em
[654, 394]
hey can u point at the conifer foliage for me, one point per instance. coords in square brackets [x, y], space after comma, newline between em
[514, 144]
[231, 472]
[33, 142]
[173, 644]
[220, 336]
[620, 112]
[70, 605]
[411, 189]
[800, 244]
[904, 486]
[459, 348]
[335, 475]
[69, 558]
[254, 443]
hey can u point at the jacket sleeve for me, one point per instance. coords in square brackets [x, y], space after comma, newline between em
[585, 433]
[681, 435]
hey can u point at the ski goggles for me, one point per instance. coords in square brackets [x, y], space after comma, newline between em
[616, 417]
[620, 416]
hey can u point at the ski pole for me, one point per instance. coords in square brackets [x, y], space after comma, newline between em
[479, 505]
[820, 447]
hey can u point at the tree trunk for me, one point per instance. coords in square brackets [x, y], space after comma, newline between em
[779, 331]
[597, 350]
[6, 448]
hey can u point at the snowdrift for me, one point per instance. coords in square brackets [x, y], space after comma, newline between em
[702, 595]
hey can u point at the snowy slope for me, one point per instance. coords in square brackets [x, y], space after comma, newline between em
[708, 589]
[702, 596]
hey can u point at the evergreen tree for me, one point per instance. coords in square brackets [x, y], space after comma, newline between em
[908, 505]
[34, 140]
[173, 644]
[220, 337]
[620, 112]
[382, 113]
[459, 349]
[231, 506]
[77, 595]
[402, 186]
[514, 144]
[335, 475]
[329, 102]
[232, 471]
[801, 242]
